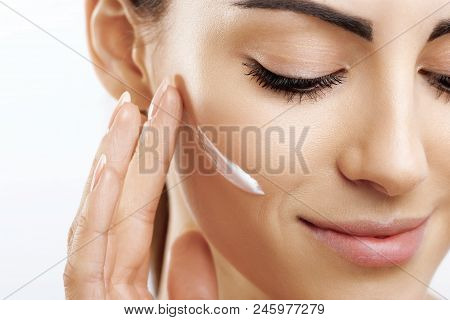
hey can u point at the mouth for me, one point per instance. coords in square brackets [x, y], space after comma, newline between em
[368, 243]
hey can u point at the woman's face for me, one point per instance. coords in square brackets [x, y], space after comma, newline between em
[365, 146]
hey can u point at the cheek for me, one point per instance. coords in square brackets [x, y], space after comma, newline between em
[258, 130]
[238, 224]
[229, 216]
[253, 233]
[235, 223]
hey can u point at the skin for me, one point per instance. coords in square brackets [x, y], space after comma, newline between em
[376, 151]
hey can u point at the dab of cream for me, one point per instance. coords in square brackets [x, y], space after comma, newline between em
[229, 170]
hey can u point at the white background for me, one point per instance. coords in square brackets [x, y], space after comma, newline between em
[225, 310]
[53, 113]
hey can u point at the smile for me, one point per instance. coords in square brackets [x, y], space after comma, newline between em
[368, 243]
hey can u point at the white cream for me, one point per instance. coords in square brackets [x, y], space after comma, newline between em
[229, 170]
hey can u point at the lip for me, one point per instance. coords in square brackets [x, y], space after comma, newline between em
[368, 243]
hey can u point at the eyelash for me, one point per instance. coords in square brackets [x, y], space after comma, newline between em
[313, 88]
[439, 81]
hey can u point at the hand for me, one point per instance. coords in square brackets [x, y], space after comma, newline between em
[109, 241]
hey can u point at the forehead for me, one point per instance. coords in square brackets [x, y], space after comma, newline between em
[385, 15]
[388, 19]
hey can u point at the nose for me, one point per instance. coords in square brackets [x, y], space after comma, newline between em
[387, 154]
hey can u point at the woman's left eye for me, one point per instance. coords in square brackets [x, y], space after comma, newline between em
[439, 81]
[294, 87]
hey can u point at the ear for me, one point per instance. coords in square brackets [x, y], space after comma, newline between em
[117, 52]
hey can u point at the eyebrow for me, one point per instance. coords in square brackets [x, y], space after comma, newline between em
[356, 25]
[442, 28]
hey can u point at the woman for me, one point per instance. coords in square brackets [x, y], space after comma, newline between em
[358, 91]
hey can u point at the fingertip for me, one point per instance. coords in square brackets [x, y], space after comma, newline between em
[174, 94]
[173, 99]
[124, 98]
[129, 112]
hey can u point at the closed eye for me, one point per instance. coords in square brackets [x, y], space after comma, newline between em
[311, 88]
[440, 82]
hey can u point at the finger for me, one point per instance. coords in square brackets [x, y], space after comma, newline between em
[192, 274]
[143, 187]
[125, 98]
[118, 145]
[84, 274]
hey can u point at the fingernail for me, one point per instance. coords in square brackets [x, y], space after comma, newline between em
[156, 101]
[98, 171]
[124, 98]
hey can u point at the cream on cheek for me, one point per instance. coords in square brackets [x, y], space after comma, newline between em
[229, 170]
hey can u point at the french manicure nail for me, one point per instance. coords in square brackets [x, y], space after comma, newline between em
[124, 98]
[98, 171]
[157, 98]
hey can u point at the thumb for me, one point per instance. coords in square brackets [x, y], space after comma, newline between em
[192, 274]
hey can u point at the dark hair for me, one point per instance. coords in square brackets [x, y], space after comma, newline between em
[153, 8]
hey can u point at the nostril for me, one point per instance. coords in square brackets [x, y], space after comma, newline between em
[378, 187]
